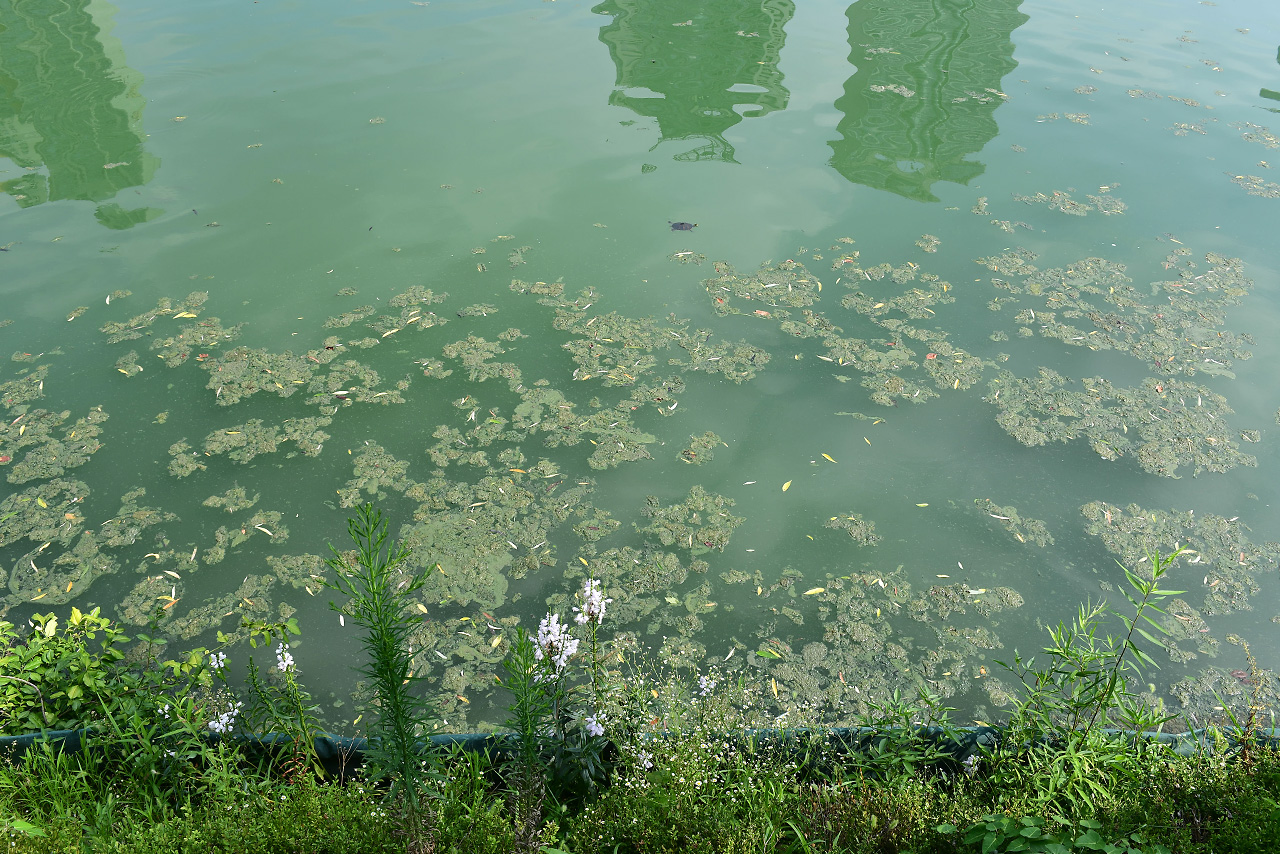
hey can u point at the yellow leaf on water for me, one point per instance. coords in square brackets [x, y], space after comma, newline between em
[827, 457]
[183, 314]
[40, 501]
[957, 384]
[922, 505]
[422, 608]
[865, 439]
[775, 686]
[41, 596]
[814, 590]
[69, 583]
[786, 486]
[584, 561]
[494, 643]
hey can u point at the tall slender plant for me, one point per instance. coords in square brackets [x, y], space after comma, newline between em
[381, 589]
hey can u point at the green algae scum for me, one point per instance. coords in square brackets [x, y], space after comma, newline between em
[971, 314]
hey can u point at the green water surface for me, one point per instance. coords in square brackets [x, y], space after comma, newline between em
[1015, 321]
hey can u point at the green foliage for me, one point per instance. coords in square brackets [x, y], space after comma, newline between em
[902, 744]
[1053, 745]
[381, 599]
[50, 679]
[547, 717]
[1002, 833]
[281, 706]
[471, 816]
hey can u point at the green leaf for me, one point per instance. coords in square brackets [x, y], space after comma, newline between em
[25, 827]
[1146, 634]
[946, 828]
[1154, 623]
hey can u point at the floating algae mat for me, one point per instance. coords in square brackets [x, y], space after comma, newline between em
[509, 482]
[873, 436]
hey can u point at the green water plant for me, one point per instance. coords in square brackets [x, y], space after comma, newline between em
[381, 599]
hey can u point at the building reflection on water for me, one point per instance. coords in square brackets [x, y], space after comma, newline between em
[70, 108]
[697, 69]
[923, 98]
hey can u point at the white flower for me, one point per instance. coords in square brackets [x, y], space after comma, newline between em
[284, 659]
[593, 604]
[554, 642]
[218, 661]
[594, 727]
[226, 721]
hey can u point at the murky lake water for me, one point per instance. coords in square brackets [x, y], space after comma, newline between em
[980, 298]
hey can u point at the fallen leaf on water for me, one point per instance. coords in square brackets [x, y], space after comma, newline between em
[814, 590]
[786, 486]
[922, 505]
[827, 457]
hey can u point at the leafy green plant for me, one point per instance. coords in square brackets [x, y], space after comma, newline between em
[281, 706]
[1053, 744]
[556, 720]
[49, 679]
[905, 740]
[380, 592]
[1002, 833]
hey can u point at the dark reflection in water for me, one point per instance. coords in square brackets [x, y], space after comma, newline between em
[1271, 93]
[926, 87]
[704, 65]
[69, 104]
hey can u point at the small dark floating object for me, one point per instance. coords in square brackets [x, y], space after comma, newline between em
[683, 226]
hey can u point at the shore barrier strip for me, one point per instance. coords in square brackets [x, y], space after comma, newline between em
[959, 746]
